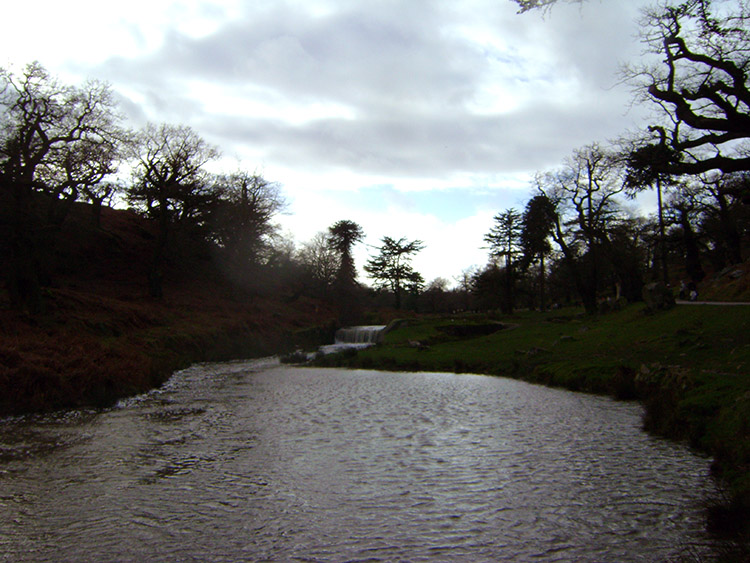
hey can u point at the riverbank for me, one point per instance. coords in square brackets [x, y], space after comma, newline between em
[91, 349]
[99, 336]
[689, 366]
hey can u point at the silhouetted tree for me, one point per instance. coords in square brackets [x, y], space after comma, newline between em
[645, 166]
[465, 286]
[504, 241]
[55, 141]
[391, 267]
[241, 221]
[98, 194]
[320, 262]
[723, 207]
[436, 296]
[488, 286]
[171, 186]
[526, 5]
[699, 84]
[683, 210]
[536, 230]
[584, 196]
[343, 235]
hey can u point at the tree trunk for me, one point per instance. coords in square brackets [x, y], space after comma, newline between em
[662, 237]
[542, 296]
[693, 267]
[731, 235]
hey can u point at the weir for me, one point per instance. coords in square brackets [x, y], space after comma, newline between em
[354, 337]
[359, 334]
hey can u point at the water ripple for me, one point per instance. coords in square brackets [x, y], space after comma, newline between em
[255, 461]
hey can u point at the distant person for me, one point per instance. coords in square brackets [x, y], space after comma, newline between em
[693, 291]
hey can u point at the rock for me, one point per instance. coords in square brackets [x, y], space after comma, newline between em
[658, 297]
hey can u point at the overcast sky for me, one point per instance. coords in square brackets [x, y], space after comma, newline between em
[415, 118]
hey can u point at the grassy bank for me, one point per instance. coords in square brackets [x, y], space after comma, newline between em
[91, 349]
[688, 365]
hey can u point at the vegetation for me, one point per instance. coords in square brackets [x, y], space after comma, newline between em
[391, 267]
[699, 84]
[57, 143]
[526, 5]
[342, 236]
[63, 149]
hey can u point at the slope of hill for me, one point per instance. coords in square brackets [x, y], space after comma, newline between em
[100, 337]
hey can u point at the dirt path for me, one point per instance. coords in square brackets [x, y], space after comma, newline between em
[727, 303]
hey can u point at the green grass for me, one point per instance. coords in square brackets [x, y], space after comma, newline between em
[689, 366]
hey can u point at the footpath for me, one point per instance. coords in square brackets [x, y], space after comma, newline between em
[727, 303]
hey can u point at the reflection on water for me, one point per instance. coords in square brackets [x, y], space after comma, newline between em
[258, 462]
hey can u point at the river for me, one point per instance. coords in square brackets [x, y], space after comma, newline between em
[254, 461]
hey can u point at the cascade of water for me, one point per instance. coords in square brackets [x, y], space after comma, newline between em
[359, 334]
[354, 337]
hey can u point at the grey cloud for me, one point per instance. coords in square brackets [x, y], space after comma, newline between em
[361, 57]
[531, 139]
[408, 78]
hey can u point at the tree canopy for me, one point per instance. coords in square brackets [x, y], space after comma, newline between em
[343, 235]
[391, 268]
[526, 5]
[170, 185]
[698, 81]
[56, 141]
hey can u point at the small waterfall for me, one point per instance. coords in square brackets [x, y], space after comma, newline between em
[359, 334]
[354, 337]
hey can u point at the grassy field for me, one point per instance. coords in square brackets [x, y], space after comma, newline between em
[689, 366]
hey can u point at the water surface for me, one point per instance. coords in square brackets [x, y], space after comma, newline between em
[258, 462]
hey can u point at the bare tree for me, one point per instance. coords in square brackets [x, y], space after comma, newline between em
[465, 281]
[320, 262]
[170, 186]
[55, 141]
[699, 85]
[241, 221]
[526, 5]
[583, 194]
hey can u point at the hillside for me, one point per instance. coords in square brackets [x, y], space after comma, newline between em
[100, 337]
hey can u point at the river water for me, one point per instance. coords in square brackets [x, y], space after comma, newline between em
[254, 461]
